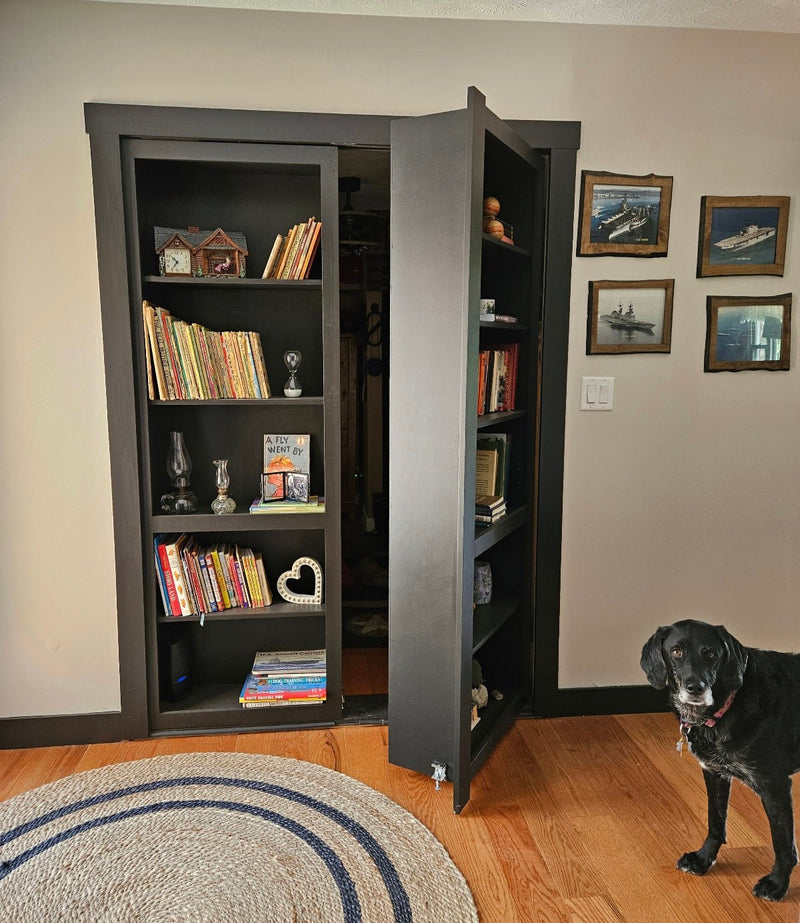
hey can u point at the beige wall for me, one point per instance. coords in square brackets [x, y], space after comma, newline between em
[681, 501]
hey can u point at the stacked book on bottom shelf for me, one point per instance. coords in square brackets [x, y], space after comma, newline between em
[285, 678]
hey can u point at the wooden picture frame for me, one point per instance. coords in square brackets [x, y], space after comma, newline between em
[622, 215]
[630, 317]
[746, 333]
[742, 235]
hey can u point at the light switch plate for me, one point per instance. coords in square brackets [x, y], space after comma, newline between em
[597, 393]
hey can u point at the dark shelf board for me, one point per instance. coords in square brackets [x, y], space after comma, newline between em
[487, 536]
[228, 281]
[311, 400]
[212, 706]
[206, 521]
[500, 325]
[277, 610]
[513, 248]
[489, 618]
[504, 416]
[496, 718]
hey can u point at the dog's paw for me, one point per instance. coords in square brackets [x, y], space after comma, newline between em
[772, 887]
[694, 863]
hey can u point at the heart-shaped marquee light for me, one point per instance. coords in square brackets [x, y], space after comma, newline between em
[309, 599]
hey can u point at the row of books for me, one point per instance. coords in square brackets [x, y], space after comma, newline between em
[285, 678]
[292, 254]
[189, 361]
[497, 378]
[197, 581]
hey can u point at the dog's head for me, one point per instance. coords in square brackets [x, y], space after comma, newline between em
[699, 662]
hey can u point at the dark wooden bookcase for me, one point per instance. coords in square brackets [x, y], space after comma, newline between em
[261, 190]
[443, 264]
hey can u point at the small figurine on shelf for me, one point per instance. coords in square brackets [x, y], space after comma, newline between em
[222, 502]
[179, 466]
[292, 359]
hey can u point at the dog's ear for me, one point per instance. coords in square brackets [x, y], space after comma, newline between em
[652, 661]
[731, 673]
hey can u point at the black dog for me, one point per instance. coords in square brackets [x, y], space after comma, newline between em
[739, 710]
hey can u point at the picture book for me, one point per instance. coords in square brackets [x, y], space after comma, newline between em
[259, 689]
[284, 452]
[284, 663]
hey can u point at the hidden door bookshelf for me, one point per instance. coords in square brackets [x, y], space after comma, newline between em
[456, 160]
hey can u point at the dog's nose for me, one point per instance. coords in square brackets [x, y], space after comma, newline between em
[695, 686]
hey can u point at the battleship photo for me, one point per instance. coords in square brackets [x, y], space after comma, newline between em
[630, 317]
[743, 235]
[625, 215]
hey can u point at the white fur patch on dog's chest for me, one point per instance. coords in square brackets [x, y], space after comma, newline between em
[717, 759]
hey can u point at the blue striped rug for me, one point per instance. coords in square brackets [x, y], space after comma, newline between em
[221, 838]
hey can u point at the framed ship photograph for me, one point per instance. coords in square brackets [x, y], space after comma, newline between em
[624, 215]
[748, 333]
[742, 235]
[630, 317]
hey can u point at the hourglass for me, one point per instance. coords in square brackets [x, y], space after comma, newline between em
[292, 359]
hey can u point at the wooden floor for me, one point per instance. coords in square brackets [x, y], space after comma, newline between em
[571, 819]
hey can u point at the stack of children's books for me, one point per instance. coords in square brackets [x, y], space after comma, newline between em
[285, 678]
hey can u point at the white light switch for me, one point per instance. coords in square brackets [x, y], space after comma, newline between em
[597, 393]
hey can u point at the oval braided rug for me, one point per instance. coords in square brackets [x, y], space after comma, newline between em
[221, 838]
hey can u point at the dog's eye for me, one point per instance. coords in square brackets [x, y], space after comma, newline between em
[710, 655]
[676, 652]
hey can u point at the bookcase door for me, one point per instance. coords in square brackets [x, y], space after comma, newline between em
[442, 265]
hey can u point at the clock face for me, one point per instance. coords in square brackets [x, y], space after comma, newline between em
[177, 261]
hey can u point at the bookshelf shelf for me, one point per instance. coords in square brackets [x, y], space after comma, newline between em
[309, 401]
[277, 610]
[493, 419]
[227, 283]
[490, 242]
[490, 618]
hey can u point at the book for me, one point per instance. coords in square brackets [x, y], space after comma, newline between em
[302, 250]
[287, 246]
[497, 443]
[287, 663]
[499, 318]
[278, 703]
[173, 546]
[314, 505]
[486, 461]
[291, 256]
[308, 262]
[273, 254]
[260, 689]
[287, 452]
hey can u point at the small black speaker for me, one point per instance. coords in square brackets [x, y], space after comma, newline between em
[176, 676]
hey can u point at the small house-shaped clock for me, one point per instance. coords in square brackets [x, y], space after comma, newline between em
[193, 252]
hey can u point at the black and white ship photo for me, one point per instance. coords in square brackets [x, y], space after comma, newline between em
[630, 316]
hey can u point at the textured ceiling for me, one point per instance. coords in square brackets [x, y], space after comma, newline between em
[753, 15]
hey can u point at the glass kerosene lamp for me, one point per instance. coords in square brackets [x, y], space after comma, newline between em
[179, 466]
[222, 503]
[292, 359]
